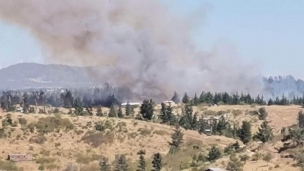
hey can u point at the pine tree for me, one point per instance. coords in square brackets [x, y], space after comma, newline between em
[202, 98]
[175, 98]
[104, 164]
[209, 98]
[265, 133]
[142, 161]
[245, 132]
[214, 154]
[270, 102]
[147, 109]
[301, 119]
[244, 158]
[194, 122]
[267, 158]
[234, 164]
[78, 107]
[157, 162]
[195, 100]
[166, 114]
[186, 120]
[221, 126]
[99, 112]
[119, 113]
[202, 126]
[26, 104]
[112, 112]
[128, 109]
[120, 163]
[262, 113]
[177, 140]
[185, 98]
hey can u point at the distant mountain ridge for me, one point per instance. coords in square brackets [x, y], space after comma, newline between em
[33, 75]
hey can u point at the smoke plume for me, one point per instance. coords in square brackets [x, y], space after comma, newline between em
[133, 43]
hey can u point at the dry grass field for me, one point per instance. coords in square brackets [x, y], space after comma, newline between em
[82, 147]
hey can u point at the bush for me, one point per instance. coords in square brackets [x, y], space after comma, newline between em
[49, 124]
[262, 113]
[236, 112]
[7, 165]
[38, 139]
[83, 159]
[214, 154]
[22, 121]
[95, 139]
[144, 132]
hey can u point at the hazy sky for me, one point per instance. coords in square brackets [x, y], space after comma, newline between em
[269, 33]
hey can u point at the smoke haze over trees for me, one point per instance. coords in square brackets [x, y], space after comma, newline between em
[150, 53]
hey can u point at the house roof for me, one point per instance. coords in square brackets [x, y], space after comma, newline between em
[216, 169]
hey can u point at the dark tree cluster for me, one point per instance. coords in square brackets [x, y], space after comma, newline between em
[85, 98]
[223, 98]
[236, 99]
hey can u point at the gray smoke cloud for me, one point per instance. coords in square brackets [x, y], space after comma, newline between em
[136, 44]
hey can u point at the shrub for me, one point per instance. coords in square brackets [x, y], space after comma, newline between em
[7, 165]
[45, 160]
[40, 139]
[49, 124]
[236, 112]
[95, 139]
[144, 132]
[22, 121]
[262, 113]
[83, 159]
[214, 154]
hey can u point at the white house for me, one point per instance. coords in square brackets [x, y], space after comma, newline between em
[131, 104]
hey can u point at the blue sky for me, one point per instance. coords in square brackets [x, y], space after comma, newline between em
[269, 33]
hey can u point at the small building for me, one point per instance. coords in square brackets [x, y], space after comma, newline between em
[215, 169]
[170, 103]
[19, 109]
[19, 157]
[135, 104]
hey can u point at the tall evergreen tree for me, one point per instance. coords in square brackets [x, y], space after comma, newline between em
[166, 114]
[301, 119]
[209, 97]
[185, 98]
[120, 163]
[186, 120]
[202, 98]
[78, 107]
[214, 154]
[263, 113]
[245, 132]
[202, 126]
[234, 164]
[221, 126]
[147, 109]
[142, 161]
[112, 112]
[177, 140]
[175, 98]
[99, 111]
[157, 162]
[104, 164]
[129, 109]
[270, 102]
[195, 100]
[265, 133]
[119, 113]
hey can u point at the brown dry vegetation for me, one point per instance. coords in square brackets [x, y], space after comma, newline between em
[73, 140]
